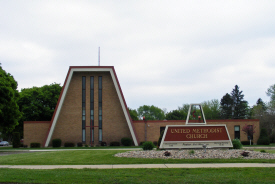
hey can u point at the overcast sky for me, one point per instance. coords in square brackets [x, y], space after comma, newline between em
[165, 53]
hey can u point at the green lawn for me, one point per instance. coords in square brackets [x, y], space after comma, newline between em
[270, 145]
[221, 175]
[3, 148]
[100, 157]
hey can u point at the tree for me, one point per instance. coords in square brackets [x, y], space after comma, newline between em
[261, 103]
[258, 110]
[211, 109]
[38, 103]
[249, 130]
[150, 112]
[176, 115]
[240, 106]
[9, 110]
[133, 114]
[271, 92]
[226, 106]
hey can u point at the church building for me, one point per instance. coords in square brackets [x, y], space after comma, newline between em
[91, 109]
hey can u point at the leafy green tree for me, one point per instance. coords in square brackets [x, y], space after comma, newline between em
[150, 112]
[226, 106]
[240, 106]
[176, 115]
[9, 110]
[261, 103]
[211, 109]
[258, 110]
[133, 114]
[38, 103]
[271, 92]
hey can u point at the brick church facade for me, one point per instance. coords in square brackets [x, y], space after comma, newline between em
[91, 109]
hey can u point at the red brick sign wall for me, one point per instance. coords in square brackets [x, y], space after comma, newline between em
[196, 133]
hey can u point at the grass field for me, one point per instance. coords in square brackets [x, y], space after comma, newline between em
[221, 175]
[100, 157]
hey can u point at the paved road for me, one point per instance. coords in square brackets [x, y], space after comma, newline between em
[135, 166]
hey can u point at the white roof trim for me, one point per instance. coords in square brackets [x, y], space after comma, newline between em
[65, 92]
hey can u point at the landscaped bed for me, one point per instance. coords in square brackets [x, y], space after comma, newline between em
[198, 154]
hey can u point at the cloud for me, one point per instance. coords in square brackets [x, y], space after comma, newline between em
[165, 53]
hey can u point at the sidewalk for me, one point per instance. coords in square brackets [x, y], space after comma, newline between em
[135, 166]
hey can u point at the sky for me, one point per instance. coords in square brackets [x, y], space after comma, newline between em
[165, 53]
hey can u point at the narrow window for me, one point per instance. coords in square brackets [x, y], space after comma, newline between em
[237, 132]
[83, 109]
[161, 129]
[92, 109]
[100, 109]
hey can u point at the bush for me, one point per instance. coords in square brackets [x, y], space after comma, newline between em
[167, 153]
[114, 143]
[237, 144]
[160, 137]
[79, 144]
[68, 144]
[103, 144]
[155, 143]
[56, 143]
[263, 139]
[247, 142]
[35, 145]
[141, 143]
[125, 141]
[16, 140]
[245, 153]
[191, 152]
[262, 151]
[272, 138]
[148, 145]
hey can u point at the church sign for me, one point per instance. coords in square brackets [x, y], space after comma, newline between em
[195, 136]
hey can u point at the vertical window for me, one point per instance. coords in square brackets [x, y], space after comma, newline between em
[237, 132]
[161, 129]
[92, 108]
[100, 109]
[83, 109]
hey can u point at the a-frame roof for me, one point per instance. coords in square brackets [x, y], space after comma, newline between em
[63, 93]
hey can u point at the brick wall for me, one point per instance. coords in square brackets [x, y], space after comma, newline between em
[153, 128]
[35, 131]
[69, 124]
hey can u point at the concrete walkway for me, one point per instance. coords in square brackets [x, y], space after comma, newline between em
[135, 166]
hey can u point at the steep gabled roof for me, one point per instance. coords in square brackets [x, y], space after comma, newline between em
[63, 93]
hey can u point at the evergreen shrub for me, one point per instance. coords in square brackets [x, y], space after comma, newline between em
[114, 143]
[125, 141]
[103, 144]
[56, 143]
[263, 139]
[141, 143]
[155, 143]
[148, 145]
[15, 140]
[237, 144]
[35, 145]
[79, 144]
[68, 144]
[272, 138]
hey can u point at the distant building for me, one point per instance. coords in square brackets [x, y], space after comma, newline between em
[91, 109]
